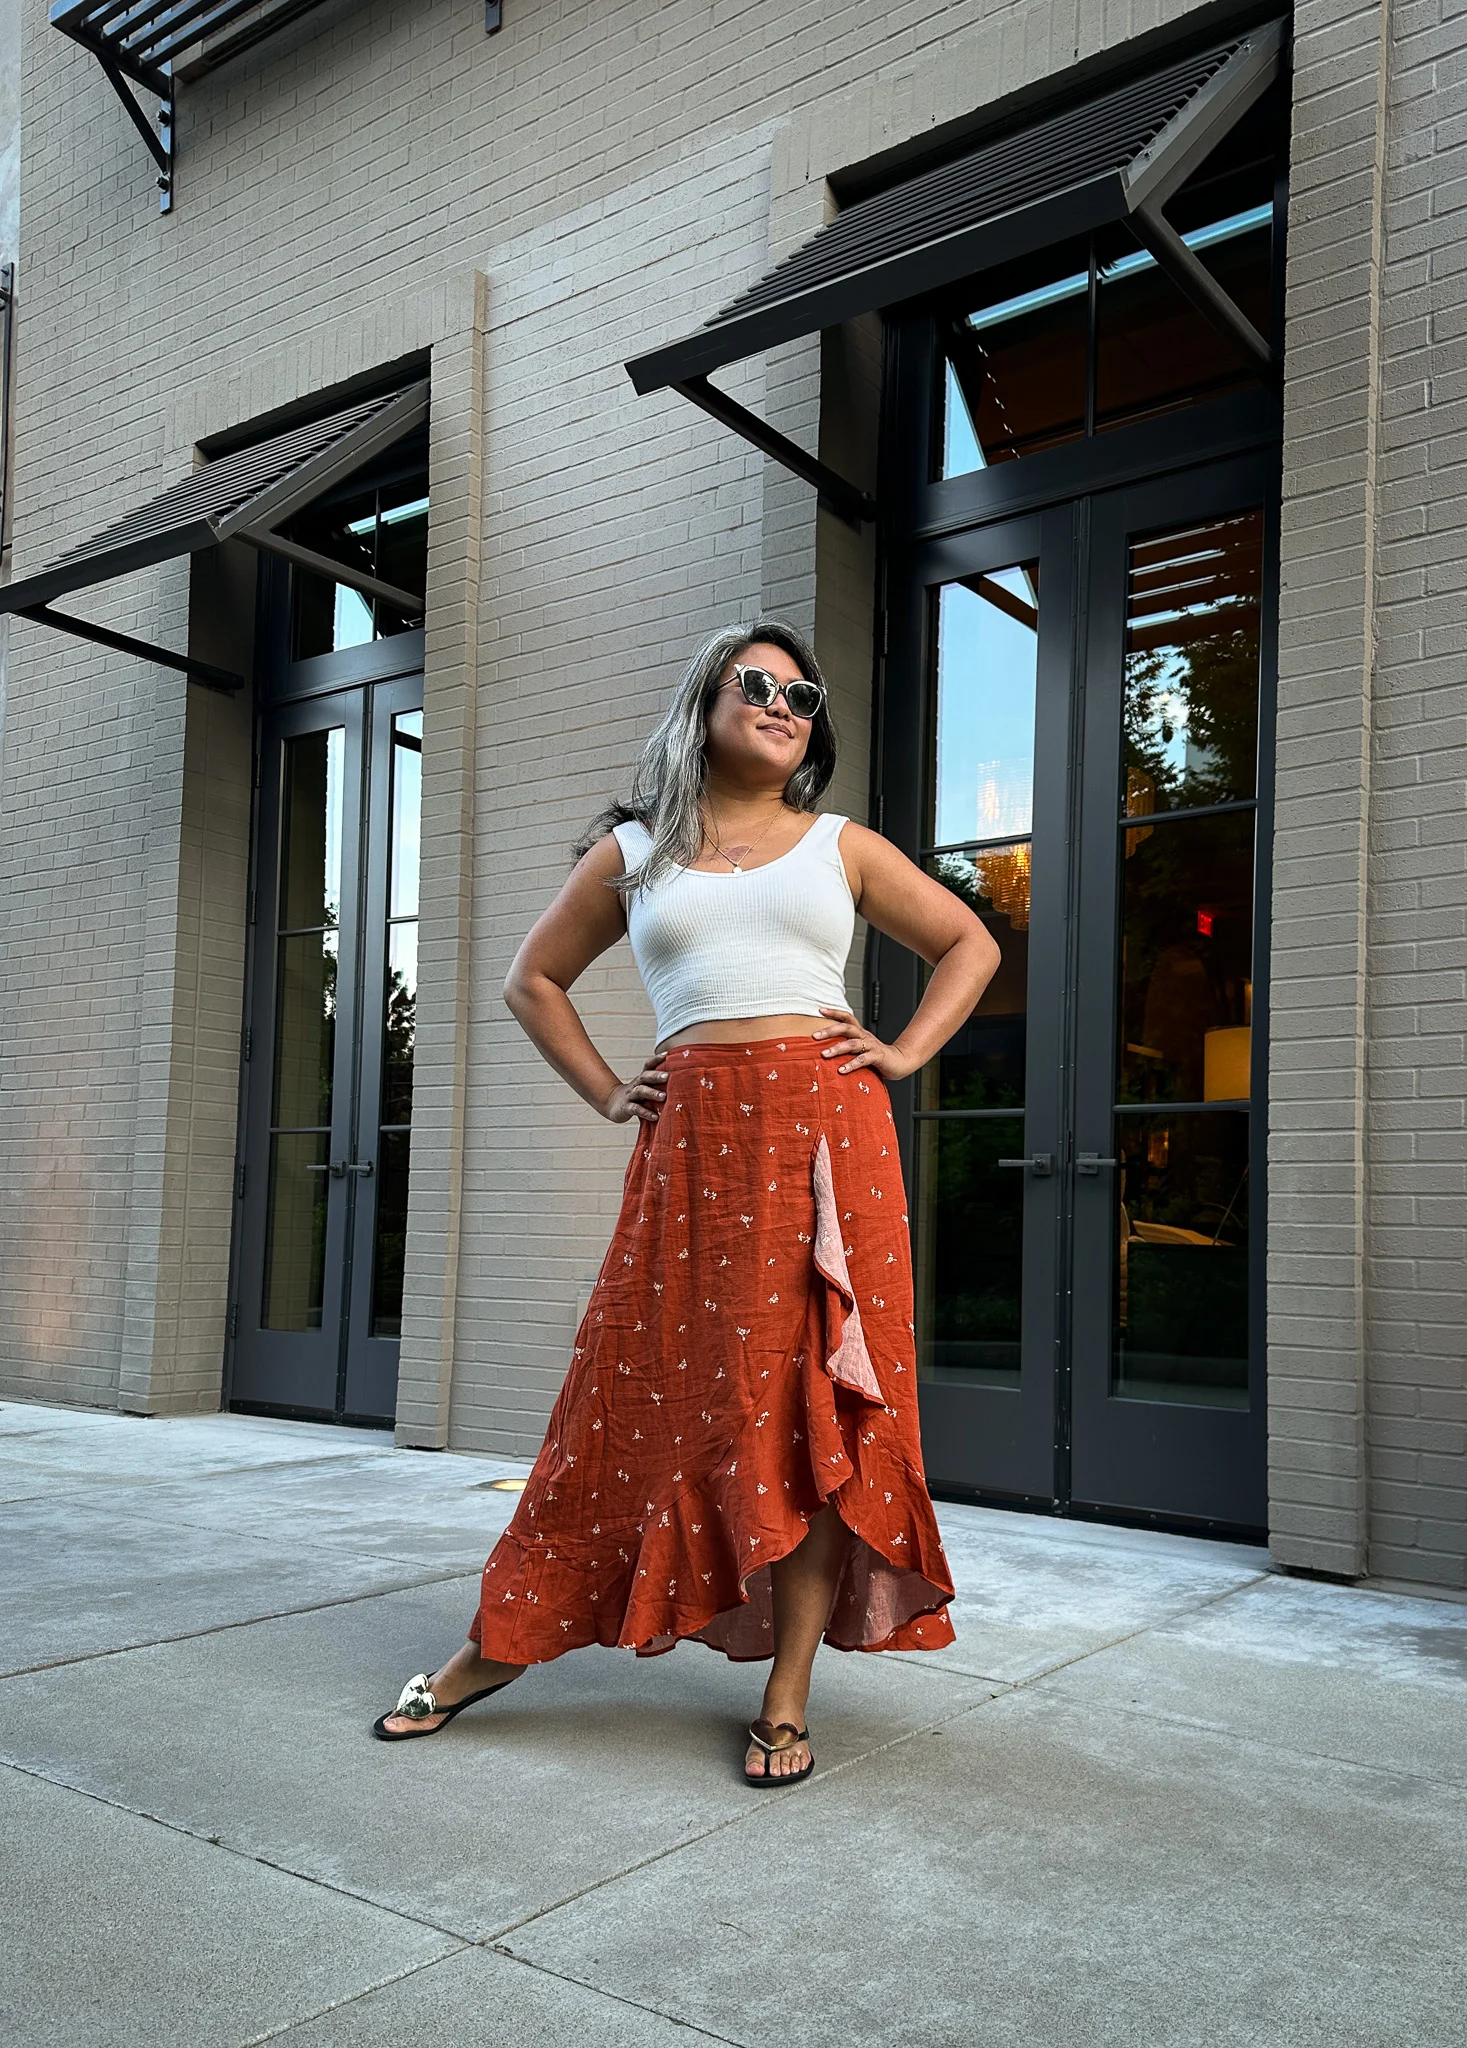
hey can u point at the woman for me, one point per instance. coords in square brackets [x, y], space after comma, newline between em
[734, 1455]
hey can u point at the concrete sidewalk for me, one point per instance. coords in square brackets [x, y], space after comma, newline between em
[1155, 1794]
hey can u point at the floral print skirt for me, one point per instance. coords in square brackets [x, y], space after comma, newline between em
[747, 1357]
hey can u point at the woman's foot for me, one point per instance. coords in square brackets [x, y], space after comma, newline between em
[789, 1758]
[465, 1672]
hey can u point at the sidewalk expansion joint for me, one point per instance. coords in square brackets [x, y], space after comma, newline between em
[308, 2019]
[1134, 1710]
[326, 1548]
[920, 1662]
[767, 1803]
[219, 1628]
[852, 1763]
[456, 1935]
[660, 2012]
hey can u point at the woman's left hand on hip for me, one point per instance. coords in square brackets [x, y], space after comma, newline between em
[864, 1047]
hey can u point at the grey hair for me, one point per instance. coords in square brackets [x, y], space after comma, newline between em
[667, 789]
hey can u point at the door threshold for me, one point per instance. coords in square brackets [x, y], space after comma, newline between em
[284, 1412]
[1172, 1525]
[1087, 1511]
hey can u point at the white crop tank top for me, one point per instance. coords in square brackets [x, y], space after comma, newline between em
[770, 942]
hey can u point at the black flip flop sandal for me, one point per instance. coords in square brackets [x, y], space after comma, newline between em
[769, 1742]
[418, 1704]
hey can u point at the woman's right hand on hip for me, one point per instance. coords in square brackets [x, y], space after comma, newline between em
[642, 1098]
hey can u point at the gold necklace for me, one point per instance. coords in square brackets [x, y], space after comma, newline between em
[718, 849]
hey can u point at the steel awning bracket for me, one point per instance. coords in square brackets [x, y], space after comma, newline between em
[159, 140]
[272, 543]
[1168, 161]
[846, 500]
[1196, 283]
[111, 34]
[122, 643]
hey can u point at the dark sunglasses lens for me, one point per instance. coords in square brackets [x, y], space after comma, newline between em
[758, 686]
[802, 698]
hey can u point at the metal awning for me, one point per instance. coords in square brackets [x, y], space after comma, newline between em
[242, 496]
[153, 43]
[1116, 158]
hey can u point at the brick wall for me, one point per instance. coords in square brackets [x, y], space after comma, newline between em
[609, 174]
[1416, 933]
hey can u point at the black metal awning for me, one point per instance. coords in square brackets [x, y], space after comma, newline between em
[153, 43]
[153, 40]
[244, 496]
[1116, 158]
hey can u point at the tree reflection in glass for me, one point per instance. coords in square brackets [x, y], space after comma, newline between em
[1191, 675]
[982, 1064]
[399, 1025]
[303, 1081]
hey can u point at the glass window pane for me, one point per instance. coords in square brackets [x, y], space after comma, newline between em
[407, 806]
[351, 618]
[1193, 611]
[1015, 369]
[987, 665]
[1186, 960]
[970, 1250]
[381, 531]
[400, 1024]
[402, 539]
[305, 1029]
[310, 837]
[1181, 1309]
[1153, 350]
[295, 1231]
[982, 1065]
[390, 1244]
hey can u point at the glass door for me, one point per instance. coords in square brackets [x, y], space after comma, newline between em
[1071, 742]
[977, 744]
[322, 1179]
[1168, 1340]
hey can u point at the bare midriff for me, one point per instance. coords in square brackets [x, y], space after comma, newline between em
[730, 1030]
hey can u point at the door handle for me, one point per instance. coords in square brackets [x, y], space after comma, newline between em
[365, 1168]
[1091, 1162]
[336, 1169]
[1039, 1164]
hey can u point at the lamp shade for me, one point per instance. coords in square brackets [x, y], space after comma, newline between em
[1227, 1056]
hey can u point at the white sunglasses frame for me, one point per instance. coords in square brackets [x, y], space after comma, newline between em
[743, 668]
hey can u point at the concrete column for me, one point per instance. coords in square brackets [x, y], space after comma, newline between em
[450, 696]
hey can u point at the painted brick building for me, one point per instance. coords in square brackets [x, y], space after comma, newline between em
[380, 213]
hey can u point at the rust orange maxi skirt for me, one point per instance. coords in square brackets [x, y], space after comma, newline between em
[747, 1356]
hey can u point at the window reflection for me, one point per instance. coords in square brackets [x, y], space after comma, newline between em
[1186, 960]
[987, 666]
[982, 1065]
[407, 773]
[305, 1029]
[1193, 610]
[1016, 369]
[295, 1231]
[1097, 336]
[302, 1082]
[1181, 1296]
[310, 888]
[379, 529]
[970, 1250]
[1153, 350]
[399, 1024]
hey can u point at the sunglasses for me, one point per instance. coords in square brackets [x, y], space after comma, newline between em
[761, 689]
